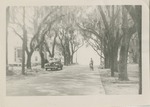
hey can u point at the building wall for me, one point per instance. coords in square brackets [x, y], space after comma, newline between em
[14, 42]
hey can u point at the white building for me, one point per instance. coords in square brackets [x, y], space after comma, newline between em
[15, 51]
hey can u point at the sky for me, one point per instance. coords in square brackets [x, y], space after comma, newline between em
[84, 54]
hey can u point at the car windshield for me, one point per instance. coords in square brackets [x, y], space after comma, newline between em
[53, 60]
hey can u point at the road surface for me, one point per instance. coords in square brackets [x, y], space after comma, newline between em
[72, 80]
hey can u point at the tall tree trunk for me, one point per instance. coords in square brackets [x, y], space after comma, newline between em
[139, 25]
[42, 59]
[115, 58]
[23, 57]
[67, 52]
[112, 64]
[135, 58]
[65, 59]
[24, 43]
[124, 48]
[123, 75]
[136, 14]
[124, 55]
[106, 59]
[115, 63]
[54, 43]
[127, 34]
[123, 63]
[113, 49]
[71, 59]
[7, 22]
[47, 49]
[107, 65]
[29, 55]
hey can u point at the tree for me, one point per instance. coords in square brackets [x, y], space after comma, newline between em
[70, 42]
[50, 43]
[7, 22]
[95, 44]
[21, 24]
[105, 28]
[53, 45]
[43, 47]
[128, 31]
[42, 41]
[136, 13]
[64, 43]
[68, 34]
[112, 34]
[40, 33]
[92, 30]
[76, 42]
[24, 42]
[37, 27]
[134, 49]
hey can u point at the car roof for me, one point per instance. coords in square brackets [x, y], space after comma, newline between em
[54, 60]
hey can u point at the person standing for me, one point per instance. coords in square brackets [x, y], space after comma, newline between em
[91, 64]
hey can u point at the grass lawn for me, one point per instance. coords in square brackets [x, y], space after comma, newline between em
[113, 86]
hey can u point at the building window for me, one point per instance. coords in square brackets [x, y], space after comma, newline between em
[18, 55]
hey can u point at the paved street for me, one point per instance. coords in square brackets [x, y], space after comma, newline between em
[72, 80]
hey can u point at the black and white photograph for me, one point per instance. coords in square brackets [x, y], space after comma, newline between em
[78, 53]
[73, 50]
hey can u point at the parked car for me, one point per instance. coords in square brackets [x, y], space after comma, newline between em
[53, 64]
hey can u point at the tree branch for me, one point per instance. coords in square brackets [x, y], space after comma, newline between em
[103, 17]
[95, 49]
[20, 36]
[90, 30]
[78, 47]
